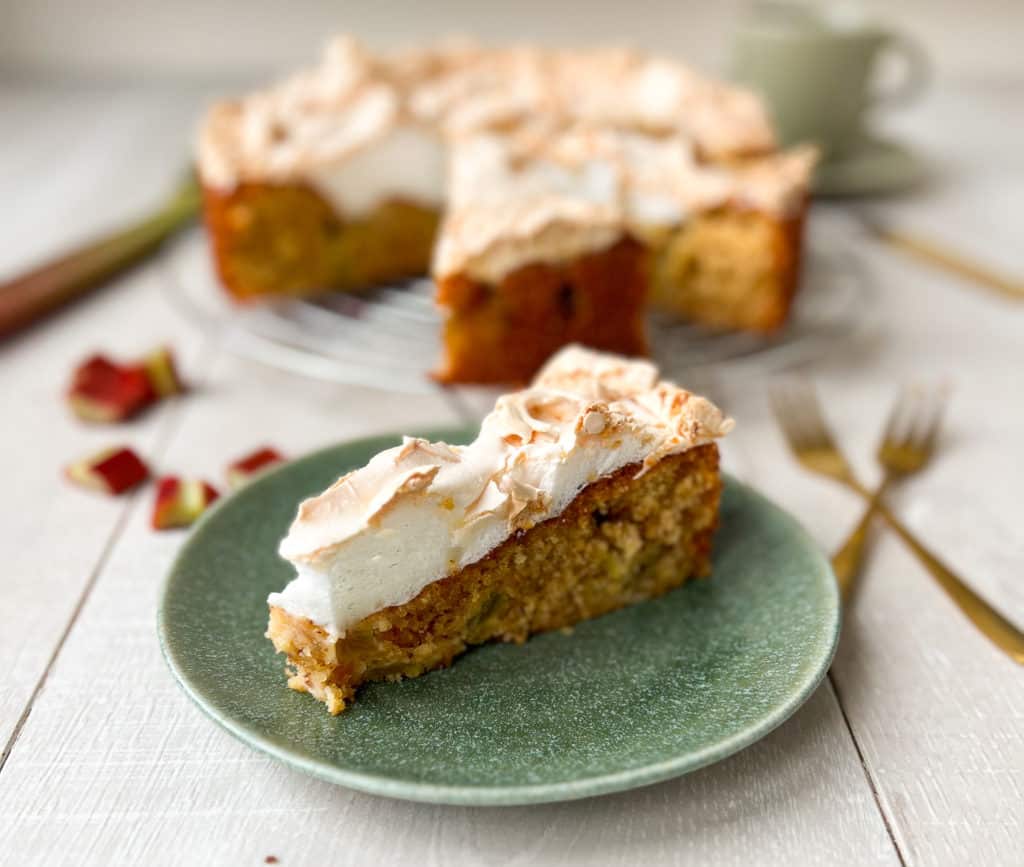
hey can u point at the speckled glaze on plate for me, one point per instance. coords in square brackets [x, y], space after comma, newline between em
[637, 696]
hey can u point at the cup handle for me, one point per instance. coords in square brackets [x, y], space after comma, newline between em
[917, 71]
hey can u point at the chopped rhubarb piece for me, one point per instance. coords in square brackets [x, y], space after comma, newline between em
[113, 471]
[243, 470]
[103, 391]
[180, 501]
[163, 373]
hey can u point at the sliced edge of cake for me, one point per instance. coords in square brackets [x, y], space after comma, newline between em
[595, 488]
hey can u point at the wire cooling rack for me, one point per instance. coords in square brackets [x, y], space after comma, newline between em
[390, 337]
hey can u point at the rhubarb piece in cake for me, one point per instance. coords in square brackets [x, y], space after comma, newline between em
[595, 488]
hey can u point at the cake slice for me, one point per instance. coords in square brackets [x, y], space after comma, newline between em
[559, 234]
[535, 253]
[595, 488]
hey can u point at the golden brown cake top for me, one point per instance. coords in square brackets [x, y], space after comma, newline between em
[420, 511]
[322, 115]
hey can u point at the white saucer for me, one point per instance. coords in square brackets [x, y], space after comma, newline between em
[874, 166]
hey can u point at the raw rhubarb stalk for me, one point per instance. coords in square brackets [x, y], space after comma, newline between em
[49, 287]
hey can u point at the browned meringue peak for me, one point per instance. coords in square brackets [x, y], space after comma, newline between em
[658, 95]
[314, 117]
[612, 391]
[420, 511]
[353, 96]
[611, 87]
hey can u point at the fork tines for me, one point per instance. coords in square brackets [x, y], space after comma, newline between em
[916, 415]
[798, 410]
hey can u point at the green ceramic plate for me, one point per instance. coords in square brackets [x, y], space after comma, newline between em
[631, 698]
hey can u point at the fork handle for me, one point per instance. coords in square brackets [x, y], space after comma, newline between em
[848, 561]
[992, 624]
[958, 264]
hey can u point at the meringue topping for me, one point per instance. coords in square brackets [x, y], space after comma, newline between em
[324, 115]
[422, 510]
[547, 194]
[552, 154]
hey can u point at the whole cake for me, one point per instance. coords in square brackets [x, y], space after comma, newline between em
[553, 195]
[594, 488]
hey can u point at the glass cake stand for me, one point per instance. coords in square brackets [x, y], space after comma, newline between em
[390, 337]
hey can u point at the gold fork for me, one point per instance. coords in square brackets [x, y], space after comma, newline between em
[800, 417]
[907, 445]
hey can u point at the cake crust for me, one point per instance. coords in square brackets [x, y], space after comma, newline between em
[621, 540]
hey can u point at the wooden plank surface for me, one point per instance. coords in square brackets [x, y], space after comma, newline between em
[56, 536]
[64, 152]
[113, 764]
[118, 766]
[936, 711]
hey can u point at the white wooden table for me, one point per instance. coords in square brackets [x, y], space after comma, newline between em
[912, 752]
